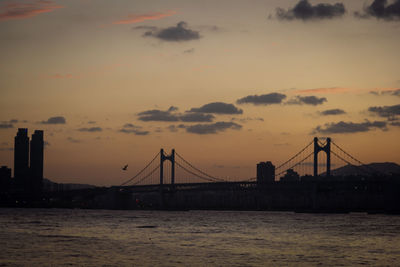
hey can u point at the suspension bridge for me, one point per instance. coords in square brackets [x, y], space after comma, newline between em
[175, 170]
[171, 181]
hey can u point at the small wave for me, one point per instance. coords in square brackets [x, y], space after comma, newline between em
[34, 222]
[147, 226]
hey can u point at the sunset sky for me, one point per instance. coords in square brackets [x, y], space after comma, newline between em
[227, 83]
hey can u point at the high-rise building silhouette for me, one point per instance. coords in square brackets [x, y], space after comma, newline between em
[5, 179]
[21, 154]
[36, 159]
[265, 172]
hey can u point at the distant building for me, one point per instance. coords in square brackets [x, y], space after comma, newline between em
[290, 176]
[36, 159]
[5, 178]
[265, 172]
[21, 154]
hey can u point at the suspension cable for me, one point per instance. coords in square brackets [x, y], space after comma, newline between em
[294, 156]
[140, 172]
[301, 161]
[144, 178]
[358, 167]
[196, 175]
[205, 174]
[348, 154]
[368, 167]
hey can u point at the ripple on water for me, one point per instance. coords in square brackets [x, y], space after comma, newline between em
[199, 238]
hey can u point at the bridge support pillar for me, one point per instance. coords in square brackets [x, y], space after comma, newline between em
[163, 158]
[327, 149]
[162, 166]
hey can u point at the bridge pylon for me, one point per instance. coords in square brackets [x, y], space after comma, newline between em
[164, 157]
[327, 149]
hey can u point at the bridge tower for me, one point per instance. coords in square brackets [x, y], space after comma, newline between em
[164, 157]
[327, 149]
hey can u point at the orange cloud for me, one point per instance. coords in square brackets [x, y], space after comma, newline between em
[331, 90]
[26, 10]
[135, 18]
[380, 90]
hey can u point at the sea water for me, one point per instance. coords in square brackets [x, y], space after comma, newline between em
[61, 237]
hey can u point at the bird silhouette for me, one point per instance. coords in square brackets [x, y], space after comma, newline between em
[125, 167]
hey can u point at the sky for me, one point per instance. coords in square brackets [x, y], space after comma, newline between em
[227, 83]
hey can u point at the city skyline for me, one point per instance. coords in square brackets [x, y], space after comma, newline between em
[228, 83]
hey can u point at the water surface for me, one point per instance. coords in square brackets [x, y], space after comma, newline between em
[44, 237]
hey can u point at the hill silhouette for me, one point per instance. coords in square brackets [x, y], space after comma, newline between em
[387, 168]
[49, 185]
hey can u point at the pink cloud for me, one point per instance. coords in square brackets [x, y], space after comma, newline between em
[135, 18]
[26, 10]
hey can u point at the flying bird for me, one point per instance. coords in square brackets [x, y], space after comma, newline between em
[125, 167]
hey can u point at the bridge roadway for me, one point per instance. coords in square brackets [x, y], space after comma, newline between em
[371, 195]
[217, 186]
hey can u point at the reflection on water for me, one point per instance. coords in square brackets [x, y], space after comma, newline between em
[102, 237]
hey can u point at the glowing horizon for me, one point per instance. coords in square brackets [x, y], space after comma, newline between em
[228, 84]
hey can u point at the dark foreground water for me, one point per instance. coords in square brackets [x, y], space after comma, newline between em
[40, 237]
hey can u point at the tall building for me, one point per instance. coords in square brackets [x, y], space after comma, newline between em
[36, 159]
[5, 179]
[21, 154]
[265, 172]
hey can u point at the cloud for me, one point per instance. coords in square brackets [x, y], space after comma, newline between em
[172, 128]
[245, 120]
[349, 127]
[175, 128]
[307, 100]
[178, 33]
[212, 128]
[171, 115]
[211, 28]
[386, 111]
[72, 140]
[158, 115]
[303, 10]
[196, 117]
[145, 27]
[267, 99]
[135, 18]
[335, 111]
[91, 129]
[189, 51]
[134, 131]
[218, 108]
[55, 120]
[26, 10]
[6, 125]
[129, 128]
[381, 9]
[4, 147]
[391, 92]
[130, 125]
